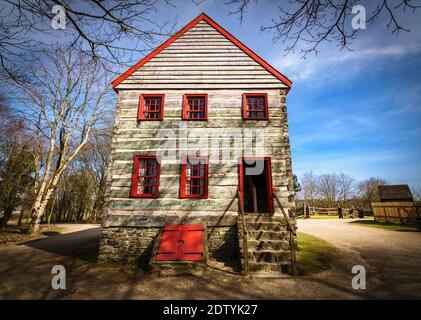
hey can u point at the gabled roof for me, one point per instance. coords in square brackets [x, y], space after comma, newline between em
[226, 34]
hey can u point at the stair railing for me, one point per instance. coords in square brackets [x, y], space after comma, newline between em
[245, 233]
[292, 234]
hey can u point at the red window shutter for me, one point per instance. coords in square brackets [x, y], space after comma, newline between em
[170, 244]
[192, 243]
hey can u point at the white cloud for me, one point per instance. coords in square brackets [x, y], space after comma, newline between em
[345, 63]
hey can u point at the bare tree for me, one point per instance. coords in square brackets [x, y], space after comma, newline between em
[329, 188]
[368, 189]
[306, 24]
[65, 97]
[416, 192]
[309, 187]
[346, 186]
[16, 169]
[111, 30]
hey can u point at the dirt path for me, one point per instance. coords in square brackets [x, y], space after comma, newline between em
[393, 258]
[25, 272]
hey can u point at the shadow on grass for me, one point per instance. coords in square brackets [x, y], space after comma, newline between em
[313, 254]
[388, 225]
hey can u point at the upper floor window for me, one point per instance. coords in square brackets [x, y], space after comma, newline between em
[151, 107]
[255, 106]
[194, 177]
[195, 107]
[145, 178]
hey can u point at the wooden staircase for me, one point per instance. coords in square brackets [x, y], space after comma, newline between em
[267, 244]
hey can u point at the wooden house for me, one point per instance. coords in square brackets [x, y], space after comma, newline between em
[200, 164]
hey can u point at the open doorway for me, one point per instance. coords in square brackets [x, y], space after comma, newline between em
[256, 185]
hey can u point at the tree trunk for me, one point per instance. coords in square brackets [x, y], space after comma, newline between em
[20, 218]
[38, 210]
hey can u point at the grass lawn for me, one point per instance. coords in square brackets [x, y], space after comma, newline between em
[321, 216]
[387, 226]
[313, 254]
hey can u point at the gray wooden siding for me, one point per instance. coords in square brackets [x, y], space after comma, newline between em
[202, 56]
[224, 116]
[201, 61]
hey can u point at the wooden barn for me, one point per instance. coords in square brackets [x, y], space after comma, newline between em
[200, 166]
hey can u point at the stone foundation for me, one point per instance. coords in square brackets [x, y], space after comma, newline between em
[223, 245]
[134, 245]
[127, 245]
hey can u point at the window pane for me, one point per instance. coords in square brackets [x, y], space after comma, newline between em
[195, 177]
[196, 108]
[256, 107]
[152, 107]
[147, 182]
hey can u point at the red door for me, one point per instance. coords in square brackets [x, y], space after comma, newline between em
[191, 246]
[181, 243]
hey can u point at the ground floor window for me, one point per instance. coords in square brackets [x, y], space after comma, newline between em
[194, 177]
[145, 178]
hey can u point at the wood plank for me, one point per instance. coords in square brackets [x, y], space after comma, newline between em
[203, 86]
[248, 77]
[219, 123]
[170, 204]
[187, 70]
[124, 170]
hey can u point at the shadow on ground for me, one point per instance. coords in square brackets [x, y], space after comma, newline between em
[69, 244]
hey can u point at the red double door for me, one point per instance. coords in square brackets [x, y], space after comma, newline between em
[181, 243]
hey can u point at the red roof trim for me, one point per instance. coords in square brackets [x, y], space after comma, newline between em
[225, 33]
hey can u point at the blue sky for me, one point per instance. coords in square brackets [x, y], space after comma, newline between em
[357, 112]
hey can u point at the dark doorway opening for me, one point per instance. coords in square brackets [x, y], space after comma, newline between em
[256, 185]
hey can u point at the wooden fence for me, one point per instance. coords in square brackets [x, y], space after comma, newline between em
[314, 211]
[396, 212]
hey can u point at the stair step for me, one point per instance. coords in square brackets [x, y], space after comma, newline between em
[270, 256]
[263, 218]
[262, 245]
[266, 226]
[264, 274]
[264, 266]
[266, 235]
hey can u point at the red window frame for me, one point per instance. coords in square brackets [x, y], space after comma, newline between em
[187, 110]
[143, 102]
[135, 178]
[247, 110]
[184, 180]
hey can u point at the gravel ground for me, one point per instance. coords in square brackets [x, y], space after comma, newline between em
[392, 260]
